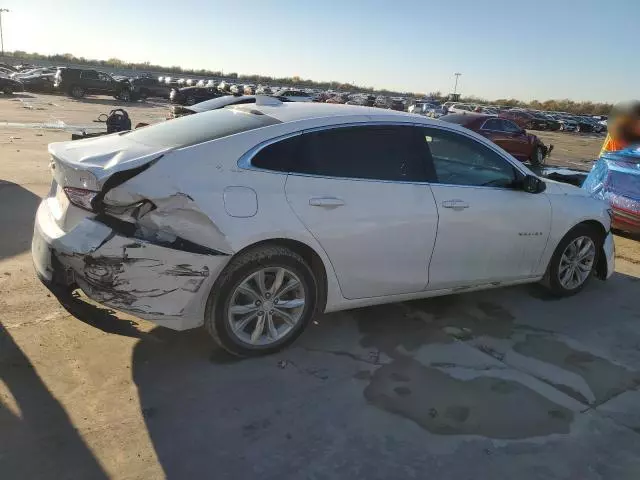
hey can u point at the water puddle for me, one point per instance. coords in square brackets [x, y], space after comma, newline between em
[488, 406]
[605, 379]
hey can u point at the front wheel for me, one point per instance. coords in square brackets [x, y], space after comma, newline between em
[125, 95]
[574, 261]
[261, 302]
[537, 156]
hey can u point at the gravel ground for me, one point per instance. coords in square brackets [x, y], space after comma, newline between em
[506, 383]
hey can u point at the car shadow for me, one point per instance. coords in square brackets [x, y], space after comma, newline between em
[17, 208]
[628, 235]
[206, 410]
[37, 437]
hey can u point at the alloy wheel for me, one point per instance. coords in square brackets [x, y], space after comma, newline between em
[576, 262]
[266, 306]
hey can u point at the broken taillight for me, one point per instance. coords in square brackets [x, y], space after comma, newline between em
[80, 197]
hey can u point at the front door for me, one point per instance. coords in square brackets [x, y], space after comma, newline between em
[489, 230]
[361, 192]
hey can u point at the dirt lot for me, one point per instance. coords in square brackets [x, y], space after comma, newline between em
[500, 384]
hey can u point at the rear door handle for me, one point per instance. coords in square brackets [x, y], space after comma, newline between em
[329, 202]
[455, 204]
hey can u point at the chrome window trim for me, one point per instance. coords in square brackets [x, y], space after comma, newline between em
[244, 162]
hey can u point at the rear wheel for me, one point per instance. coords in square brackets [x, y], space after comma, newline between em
[574, 261]
[77, 91]
[261, 302]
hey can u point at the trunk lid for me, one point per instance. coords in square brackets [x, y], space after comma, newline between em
[89, 163]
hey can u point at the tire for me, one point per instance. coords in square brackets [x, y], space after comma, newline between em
[8, 90]
[190, 100]
[144, 94]
[227, 288]
[528, 126]
[125, 95]
[77, 91]
[537, 156]
[552, 279]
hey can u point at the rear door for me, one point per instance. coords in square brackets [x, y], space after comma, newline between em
[489, 229]
[361, 192]
[89, 80]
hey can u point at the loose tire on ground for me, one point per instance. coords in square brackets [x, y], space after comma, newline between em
[235, 273]
[552, 280]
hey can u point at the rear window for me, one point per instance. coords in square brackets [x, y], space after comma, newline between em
[199, 128]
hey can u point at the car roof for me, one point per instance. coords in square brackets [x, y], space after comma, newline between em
[295, 111]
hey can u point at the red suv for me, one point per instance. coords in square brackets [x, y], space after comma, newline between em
[505, 133]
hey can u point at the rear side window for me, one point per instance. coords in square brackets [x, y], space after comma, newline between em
[280, 156]
[370, 152]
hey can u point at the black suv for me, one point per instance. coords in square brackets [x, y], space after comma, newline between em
[78, 82]
[151, 87]
[193, 95]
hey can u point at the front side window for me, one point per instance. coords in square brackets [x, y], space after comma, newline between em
[460, 160]
[104, 77]
[510, 127]
[385, 152]
[493, 124]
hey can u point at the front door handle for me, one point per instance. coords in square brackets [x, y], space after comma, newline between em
[455, 204]
[328, 202]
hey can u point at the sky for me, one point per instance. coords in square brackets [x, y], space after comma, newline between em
[541, 49]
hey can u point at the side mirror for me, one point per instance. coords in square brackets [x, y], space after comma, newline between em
[533, 184]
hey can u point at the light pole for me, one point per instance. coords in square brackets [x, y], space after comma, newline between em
[1, 38]
[455, 88]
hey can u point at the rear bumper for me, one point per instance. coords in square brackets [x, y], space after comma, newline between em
[164, 285]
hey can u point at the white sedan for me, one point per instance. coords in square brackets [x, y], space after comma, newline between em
[252, 219]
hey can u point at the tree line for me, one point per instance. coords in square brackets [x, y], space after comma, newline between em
[564, 105]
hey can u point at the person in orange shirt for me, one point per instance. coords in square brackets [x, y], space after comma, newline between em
[623, 126]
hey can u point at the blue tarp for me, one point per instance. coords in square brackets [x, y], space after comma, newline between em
[615, 177]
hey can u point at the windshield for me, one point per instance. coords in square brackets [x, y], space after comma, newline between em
[199, 128]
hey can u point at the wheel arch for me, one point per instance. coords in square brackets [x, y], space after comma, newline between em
[601, 266]
[313, 259]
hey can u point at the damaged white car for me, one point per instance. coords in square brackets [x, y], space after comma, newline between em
[253, 219]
